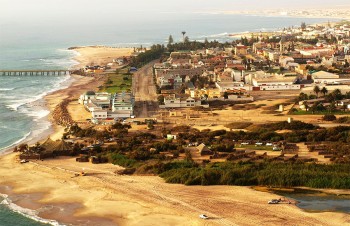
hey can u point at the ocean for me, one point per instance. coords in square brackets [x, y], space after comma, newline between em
[23, 116]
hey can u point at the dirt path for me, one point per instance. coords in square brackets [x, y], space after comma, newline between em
[144, 91]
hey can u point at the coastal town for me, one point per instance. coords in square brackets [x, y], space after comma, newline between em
[268, 110]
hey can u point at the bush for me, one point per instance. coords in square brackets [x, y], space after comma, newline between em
[264, 174]
[329, 118]
[345, 119]
[121, 160]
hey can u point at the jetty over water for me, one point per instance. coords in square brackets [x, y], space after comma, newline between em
[34, 72]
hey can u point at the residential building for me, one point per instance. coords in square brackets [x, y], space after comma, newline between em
[171, 101]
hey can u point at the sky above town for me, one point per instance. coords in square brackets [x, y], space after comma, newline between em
[17, 10]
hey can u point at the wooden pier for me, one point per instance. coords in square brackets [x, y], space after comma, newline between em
[34, 72]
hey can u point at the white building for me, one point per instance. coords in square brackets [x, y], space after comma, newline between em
[171, 101]
[323, 77]
[265, 81]
[123, 102]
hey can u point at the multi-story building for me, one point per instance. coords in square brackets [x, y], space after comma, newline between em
[123, 102]
[171, 101]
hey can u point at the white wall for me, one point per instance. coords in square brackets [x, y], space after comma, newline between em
[284, 87]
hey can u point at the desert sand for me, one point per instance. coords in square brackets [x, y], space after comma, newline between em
[111, 199]
[99, 55]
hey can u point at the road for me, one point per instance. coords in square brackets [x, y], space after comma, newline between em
[144, 90]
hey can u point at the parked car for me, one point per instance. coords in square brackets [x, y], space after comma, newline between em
[273, 201]
[203, 216]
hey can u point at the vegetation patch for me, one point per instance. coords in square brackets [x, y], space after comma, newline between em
[263, 174]
[345, 120]
[118, 82]
[238, 125]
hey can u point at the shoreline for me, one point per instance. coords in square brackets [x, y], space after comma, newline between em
[135, 199]
[34, 136]
[145, 199]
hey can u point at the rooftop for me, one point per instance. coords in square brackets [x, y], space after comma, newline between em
[324, 75]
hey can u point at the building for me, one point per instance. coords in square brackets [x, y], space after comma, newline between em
[105, 106]
[325, 77]
[171, 101]
[267, 81]
[241, 50]
[201, 93]
[124, 103]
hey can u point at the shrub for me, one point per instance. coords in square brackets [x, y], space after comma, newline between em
[329, 117]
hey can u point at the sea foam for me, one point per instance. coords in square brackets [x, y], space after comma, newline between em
[31, 214]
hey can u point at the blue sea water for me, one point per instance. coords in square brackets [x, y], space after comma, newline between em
[44, 46]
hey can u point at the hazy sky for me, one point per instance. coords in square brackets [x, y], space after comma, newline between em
[17, 10]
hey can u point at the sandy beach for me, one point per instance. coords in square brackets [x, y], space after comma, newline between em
[106, 198]
[99, 55]
[103, 197]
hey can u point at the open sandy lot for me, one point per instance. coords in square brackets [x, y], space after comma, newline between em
[99, 55]
[110, 199]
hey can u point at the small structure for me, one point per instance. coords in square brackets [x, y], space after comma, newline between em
[281, 108]
[171, 137]
[204, 150]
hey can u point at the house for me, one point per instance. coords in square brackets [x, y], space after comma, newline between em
[204, 150]
[225, 77]
[304, 103]
[86, 96]
[241, 49]
[227, 86]
[171, 101]
[169, 80]
[345, 102]
[285, 60]
[95, 101]
[201, 93]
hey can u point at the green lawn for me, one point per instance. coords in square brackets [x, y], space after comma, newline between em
[117, 82]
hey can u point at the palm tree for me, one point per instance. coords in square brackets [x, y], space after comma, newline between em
[324, 91]
[183, 35]
[317, 90]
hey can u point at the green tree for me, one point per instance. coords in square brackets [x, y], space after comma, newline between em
[225, 95]
[324, 91]
[317, 90]
[188, 156]
[302, 96]
[186, 40]
[161, 99]
[306, 106]
[170, 40]
[346, 63]
[332, 107]
[303, 25]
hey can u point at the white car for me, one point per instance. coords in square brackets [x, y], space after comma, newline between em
[273, 201]
[203, 216]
